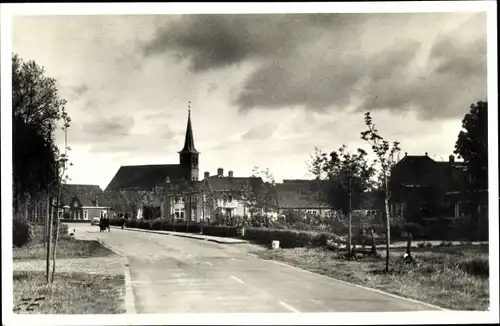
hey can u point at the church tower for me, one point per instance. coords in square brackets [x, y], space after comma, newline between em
[188, 156]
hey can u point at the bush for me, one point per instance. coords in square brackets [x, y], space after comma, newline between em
[22, 232]
[477, 266]
[63, 229]
[324, 238]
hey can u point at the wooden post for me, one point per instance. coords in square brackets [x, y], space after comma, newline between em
[49, 238]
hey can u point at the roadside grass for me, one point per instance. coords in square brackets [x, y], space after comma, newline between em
[455, 278]
[67, 247]
[71, 293]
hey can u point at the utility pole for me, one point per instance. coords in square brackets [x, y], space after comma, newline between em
[202, 213]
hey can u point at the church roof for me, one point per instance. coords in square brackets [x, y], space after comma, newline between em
[189, 139]
[144, 176]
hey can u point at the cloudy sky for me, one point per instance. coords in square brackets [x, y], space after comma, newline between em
[265, 89]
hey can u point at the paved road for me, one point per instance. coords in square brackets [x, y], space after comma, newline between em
[178, 275]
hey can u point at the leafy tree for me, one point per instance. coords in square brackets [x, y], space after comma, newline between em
[36, 108]
[386, 157]
[353, 175]
[472, 143]
[37, 163]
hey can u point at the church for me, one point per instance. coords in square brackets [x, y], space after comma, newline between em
[127, 191]
[147, 177]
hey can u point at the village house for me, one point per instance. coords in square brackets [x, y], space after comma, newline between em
[82, 202]
[235, 196]
[423, 188]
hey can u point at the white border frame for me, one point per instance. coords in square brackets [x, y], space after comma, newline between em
[9, 10]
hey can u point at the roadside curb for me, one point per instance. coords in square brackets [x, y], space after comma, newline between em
[129, 297]
[189, 236]
[354, 284]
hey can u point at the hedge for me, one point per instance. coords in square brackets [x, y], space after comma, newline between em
[289, 238]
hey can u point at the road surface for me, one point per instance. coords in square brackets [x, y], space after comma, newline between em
[170, 274]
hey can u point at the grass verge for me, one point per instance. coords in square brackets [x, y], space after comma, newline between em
[67, 247]
[71, 293]
[455, 278]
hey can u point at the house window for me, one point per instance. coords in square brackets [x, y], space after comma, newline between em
[85, 215]
[179, 213]
[60, 213]
[230, 198]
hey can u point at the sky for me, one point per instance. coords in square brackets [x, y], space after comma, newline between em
[265, 89]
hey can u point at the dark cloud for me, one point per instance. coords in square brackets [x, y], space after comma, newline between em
[81, 89]
[326, 61]
[260, 132]
[215, 41]
[116, 125]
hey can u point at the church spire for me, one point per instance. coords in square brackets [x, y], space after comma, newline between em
[189, 139]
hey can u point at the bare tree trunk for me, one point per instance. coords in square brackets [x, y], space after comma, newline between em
[349, 222]
[56, 235]
[387, 225]
[49, 238]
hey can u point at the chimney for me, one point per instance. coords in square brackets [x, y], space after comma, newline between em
[426, 154]
[206, 175]
[220, 172]
[452, 159]
[406, 153]
[96, 200]
[230, 174]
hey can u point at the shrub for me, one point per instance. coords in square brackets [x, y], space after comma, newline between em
[132, 223]
[477, 266]
[323, 239]
[63, 229]
[446, 244]
[22, 231]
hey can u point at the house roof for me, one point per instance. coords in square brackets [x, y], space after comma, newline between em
[85, 194]
[299, 194]
[422, 170]
[233, 184]
[144, 176]
[123, 201]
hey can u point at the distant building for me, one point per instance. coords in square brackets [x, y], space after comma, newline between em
[234, 196]
[82, 202]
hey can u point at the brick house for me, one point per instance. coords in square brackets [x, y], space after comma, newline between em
[82, 202]
[423, 188]
[303, 196]
[233, 196]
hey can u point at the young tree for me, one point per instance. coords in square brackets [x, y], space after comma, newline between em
[353, 175]
[261, 194]
[316, 168]
[63, 164]
[386, 157]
